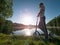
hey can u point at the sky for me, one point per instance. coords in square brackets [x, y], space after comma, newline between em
[26, 11]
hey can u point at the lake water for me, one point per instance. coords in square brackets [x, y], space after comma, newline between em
[27, 32]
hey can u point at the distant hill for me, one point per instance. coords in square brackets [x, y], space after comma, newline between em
[17, 26]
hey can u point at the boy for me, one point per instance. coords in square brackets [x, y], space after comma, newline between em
[42, 24]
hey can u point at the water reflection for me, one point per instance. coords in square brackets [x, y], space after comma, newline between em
[27, 32]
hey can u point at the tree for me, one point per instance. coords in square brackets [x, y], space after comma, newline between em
[6, 11]
[6, 8]
[8, 27]
[2, 23]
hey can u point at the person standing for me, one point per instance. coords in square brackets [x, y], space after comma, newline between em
[42, 24]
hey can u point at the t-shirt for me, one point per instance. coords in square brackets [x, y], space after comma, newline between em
[42, 10]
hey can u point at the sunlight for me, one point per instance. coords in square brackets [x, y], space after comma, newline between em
[27, 18]
[27, 32]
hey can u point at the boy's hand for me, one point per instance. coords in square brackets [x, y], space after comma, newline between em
[37, 15]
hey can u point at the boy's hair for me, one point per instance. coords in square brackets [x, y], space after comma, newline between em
[40, 4]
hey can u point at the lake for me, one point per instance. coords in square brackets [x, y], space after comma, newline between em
[27, 32]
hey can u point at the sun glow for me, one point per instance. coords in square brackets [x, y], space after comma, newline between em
[27, 32]
[27, 20]
[26, 17]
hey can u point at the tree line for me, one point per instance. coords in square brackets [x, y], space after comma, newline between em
[6, 11]
[55, 22]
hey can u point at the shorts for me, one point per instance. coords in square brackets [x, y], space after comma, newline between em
[42, 24]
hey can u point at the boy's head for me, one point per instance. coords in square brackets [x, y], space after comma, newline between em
[41, 4]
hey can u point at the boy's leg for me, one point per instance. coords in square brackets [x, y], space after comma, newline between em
[42, 26]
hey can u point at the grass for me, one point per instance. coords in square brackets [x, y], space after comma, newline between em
[21, 40]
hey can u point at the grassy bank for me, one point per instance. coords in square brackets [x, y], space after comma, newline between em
[20, 40]
[5, 39]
